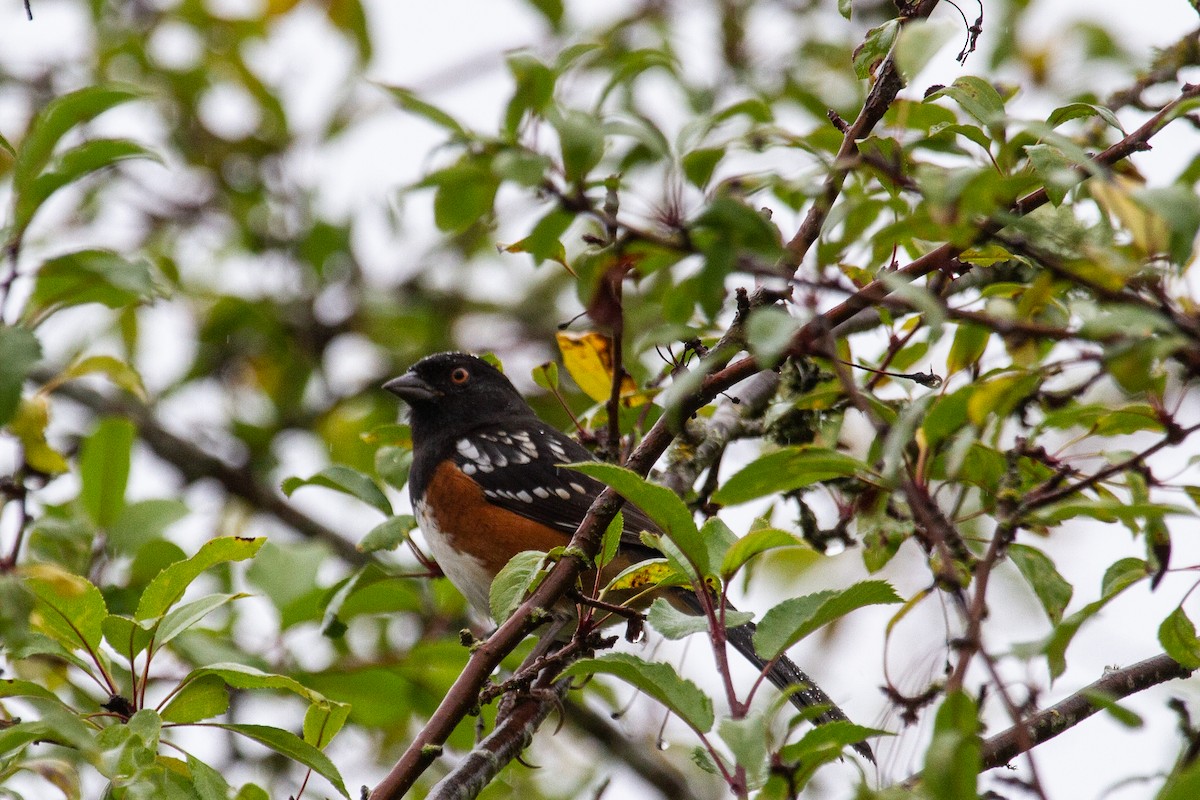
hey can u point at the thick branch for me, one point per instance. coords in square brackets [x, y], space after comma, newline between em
[1050, 722]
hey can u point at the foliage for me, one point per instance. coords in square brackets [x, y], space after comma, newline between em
[912, 331]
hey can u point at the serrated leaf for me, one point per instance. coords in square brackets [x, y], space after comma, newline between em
[165, 589]
[660, 504]
[793, 619]
[660, 681]
[389, 534]
[346, 480]
[69, 607]
[517, 578]
[104, 469]
[1039, 571]
[785, 470]
[200, 699]
[292, 746]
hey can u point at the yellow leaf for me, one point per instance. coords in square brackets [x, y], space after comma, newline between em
[588, 357]
[643, 575]
[29, 425]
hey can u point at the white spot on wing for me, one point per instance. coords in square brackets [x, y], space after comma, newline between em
[524, 496]
[563, 493]
[467, 448]
[468, 468]
[541, 492]
[578, 488]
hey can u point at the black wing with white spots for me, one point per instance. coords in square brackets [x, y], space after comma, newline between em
[516, 465]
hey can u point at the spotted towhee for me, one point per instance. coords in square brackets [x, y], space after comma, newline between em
[486, 484]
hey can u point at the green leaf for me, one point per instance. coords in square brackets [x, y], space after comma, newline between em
[754, 543]
[165, 589]
[74, 164]
[240, 676]
[969, 343]
[1183, 785]
[699, 165]
[89, 276]
[322, 722]
[19, 351]
[389, 534]
[975, 96]
[675, 624]
[1039, 571]
[292, 746]
[104, 469]
[785, 470]
[70, 608]
[581, 137]
[1177, 635]
[393, 465]
[874, 48]
[180, 618]
[53, 122]
[200, 699]
[748, 740]
[827, 741]
[1076, 110]
[408, 100]
[795, 618]
[346, 480]
[953, 761]
[142, 522]
[844, 8]
[121, 373]
[919, 41]
[660, 504]
[125, 635]
[287, 574]
[519, 576]
[682, 697]
[769, 331]
[1055, 170]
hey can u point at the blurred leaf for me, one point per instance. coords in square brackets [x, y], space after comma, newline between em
[19, 351]
[104, 469]
[142, 522]
[699, 165]
[1177, 635]
[970, 341]
[29, 426]
[1049, 586]
[182, 617]
[672, 623]
[347, 481]
[769, 332]
[953, 762]
[581, 139]
[682, 697]
[89, 276]
[919, 41]
[69, 607]
[793, 619]
[408, 100]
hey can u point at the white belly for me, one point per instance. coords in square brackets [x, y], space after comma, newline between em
[467, 573]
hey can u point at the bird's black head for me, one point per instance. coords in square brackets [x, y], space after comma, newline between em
[450, 393]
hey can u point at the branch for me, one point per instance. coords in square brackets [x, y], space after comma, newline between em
[1050, 722]
[195, 464]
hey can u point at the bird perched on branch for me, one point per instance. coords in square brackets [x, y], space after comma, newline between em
[487, 483]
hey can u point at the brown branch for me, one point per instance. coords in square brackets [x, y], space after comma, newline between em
[195, 464]
[1050, 722]
[888, 84]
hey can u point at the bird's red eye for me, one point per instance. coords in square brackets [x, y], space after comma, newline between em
[460, 375]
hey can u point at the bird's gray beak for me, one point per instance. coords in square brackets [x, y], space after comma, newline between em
[411, 389]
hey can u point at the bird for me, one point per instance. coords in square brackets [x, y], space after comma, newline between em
[487, 482]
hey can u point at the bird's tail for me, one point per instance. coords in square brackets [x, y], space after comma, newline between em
[794, 682]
